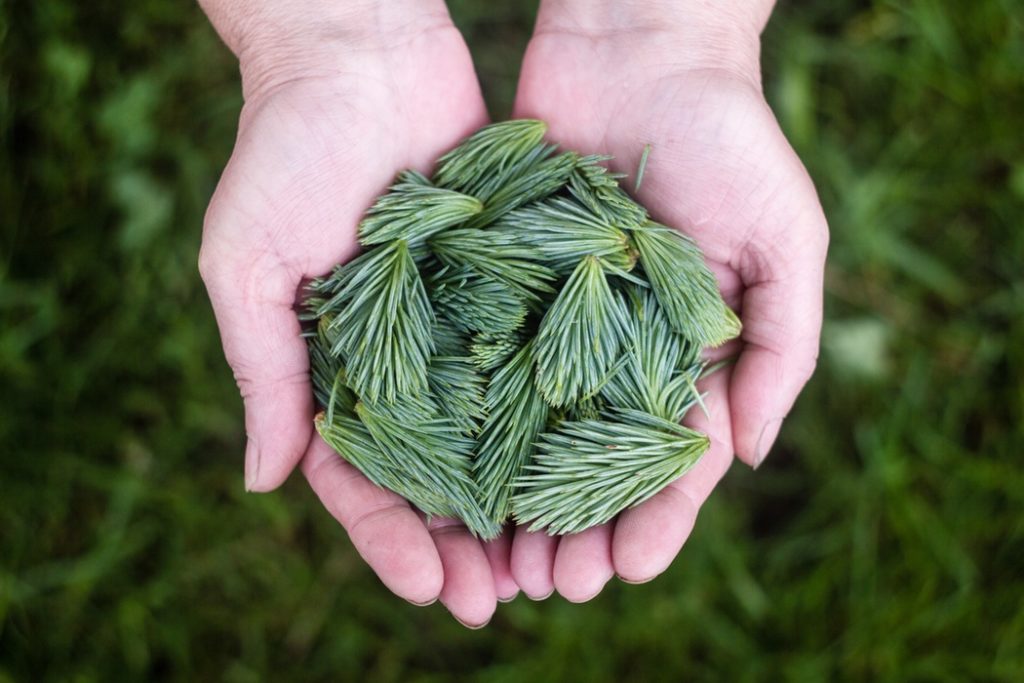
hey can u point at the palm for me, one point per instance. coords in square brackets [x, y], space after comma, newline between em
[311, 156]
[720, 170]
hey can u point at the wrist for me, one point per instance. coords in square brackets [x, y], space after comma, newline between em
[279, 41]
[688, 34]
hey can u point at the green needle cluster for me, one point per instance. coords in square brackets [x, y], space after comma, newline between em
[519, 340]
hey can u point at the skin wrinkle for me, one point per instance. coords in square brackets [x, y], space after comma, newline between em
[324, 463]
[250, 387]
[375, 515]
[335, 490]
[452, 530]
[733, 69]
[292, 53]
[727, 198]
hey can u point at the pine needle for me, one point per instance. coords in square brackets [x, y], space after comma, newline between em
[516, 415]
[587, 472]
[534, 178]
[518, 339]
[685, 286]
[324, 367]
[353, 441]
[489, 158]
[564, 231]
[505, 257]
[437, 455]
[641, 167]
[458, 388]
[449, 340]
[384, 326]
[598, 189]
[412, 211]
[474, 302]
[580, 336]
[659, 368]
[492, 350]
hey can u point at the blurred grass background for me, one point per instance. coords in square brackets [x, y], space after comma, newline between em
[883, 541]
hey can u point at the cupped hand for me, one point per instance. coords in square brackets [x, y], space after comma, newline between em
[322, 132]
[720, 170]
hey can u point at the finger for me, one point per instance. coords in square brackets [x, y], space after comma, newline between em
[468, 590]
[499, 553]
[252, 299]
[782, 312]
[533, 561]
[583, 563]
[383, 528]
[648, 537]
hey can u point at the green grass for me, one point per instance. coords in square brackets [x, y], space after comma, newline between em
[883, 541]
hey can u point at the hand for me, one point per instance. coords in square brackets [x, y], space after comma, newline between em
[331, 113]
[688, 83]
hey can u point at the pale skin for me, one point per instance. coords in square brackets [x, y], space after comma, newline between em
[337, 100]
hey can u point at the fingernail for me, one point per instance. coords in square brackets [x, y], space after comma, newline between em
[471, 627]
[635, 582]
[543, 597]
[765, 440]
[252, 464]
[421, 604]
[580, 601]
[510, 598]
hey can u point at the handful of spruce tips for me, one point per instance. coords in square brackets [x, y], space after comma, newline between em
[517, 340]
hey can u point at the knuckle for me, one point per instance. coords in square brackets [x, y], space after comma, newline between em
[808, 363]
[374, 514]
[206, 264]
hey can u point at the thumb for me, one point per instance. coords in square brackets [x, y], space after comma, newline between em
[782, 315]
[252, 297]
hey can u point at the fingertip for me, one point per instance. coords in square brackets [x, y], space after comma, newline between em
[532, 562]
[583, 563]
[765, 440]
[407, 563]
[468, 590]
[279, 426]
[781, 340]
[498, 553]
[760, 397]
[649, 536]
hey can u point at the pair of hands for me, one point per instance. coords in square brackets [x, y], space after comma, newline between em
[333, 111]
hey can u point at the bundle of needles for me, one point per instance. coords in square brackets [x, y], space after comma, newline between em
[518, 339]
